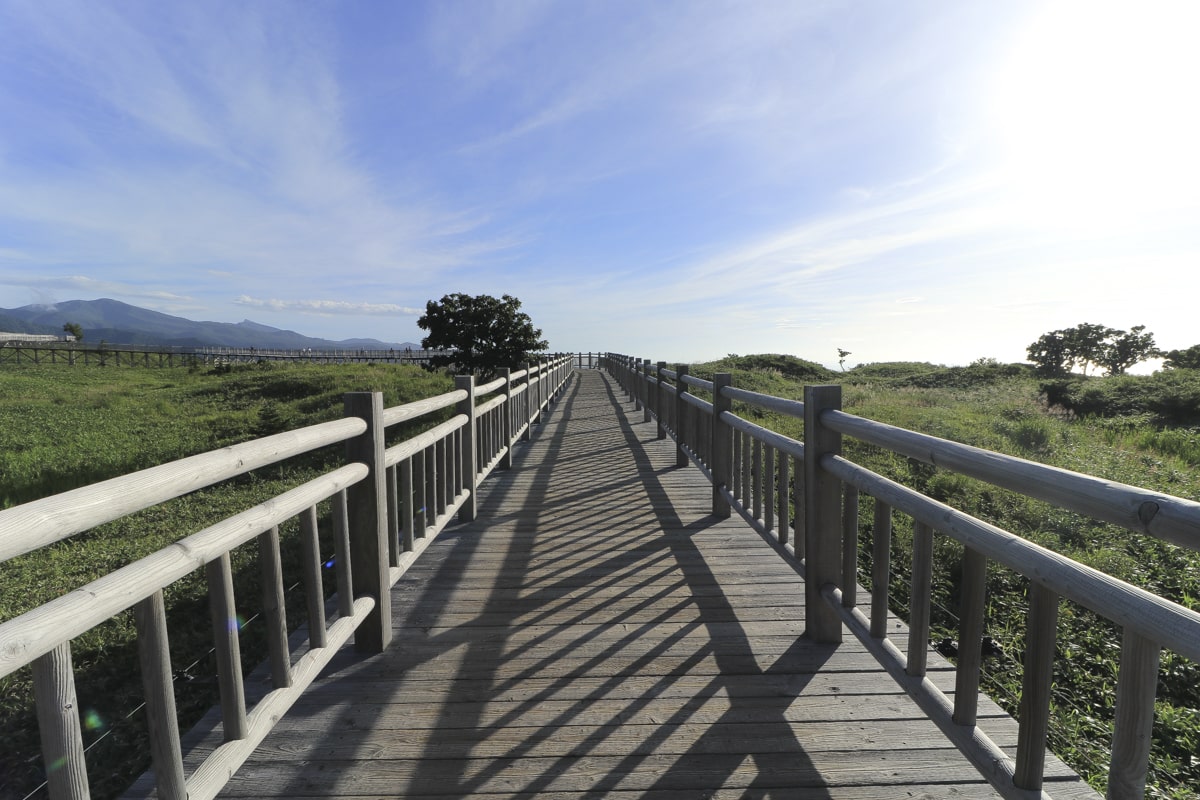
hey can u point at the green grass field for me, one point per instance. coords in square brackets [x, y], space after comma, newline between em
[1002, 408]
[65, 427]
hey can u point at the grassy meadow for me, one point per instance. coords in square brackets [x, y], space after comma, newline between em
[63, 427]
[1152, 442]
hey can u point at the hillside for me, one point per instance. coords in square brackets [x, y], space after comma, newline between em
[120, 323]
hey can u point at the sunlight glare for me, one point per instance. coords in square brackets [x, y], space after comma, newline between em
[1097, 115]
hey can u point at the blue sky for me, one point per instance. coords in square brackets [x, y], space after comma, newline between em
[679, 180]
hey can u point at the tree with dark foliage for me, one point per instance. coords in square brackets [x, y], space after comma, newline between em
[1056, 352]
[484, 334]
[1183, 359]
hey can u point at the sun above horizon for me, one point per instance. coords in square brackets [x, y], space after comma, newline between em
[1095, 109]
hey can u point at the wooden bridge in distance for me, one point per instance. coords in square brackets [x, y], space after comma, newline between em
[597, 632]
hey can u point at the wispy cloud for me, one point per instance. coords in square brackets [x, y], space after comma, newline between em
[329, 307]
[85, 285]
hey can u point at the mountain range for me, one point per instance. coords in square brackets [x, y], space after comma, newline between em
[120, 323]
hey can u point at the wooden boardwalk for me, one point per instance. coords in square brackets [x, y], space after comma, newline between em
[597, 633]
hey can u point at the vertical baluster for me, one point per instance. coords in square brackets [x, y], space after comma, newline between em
[341, 555]
[736, 469]
[756, 480]
[393, 517]
[747, 465]
[1034, 713]
[443, 480]
[881, 568]
[781, 495]
[849, 546]
[58, 724]
[970, 637]
[918, 603]
[420, 516]
[769, 489]
[798, 520]
[226, 643]
[314, 588]
[1137, 684]
[154, 654]
[407, 515]
[431, 478]
[274, 609]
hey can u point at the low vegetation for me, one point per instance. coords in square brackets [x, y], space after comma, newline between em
[63, 427]
[1139, 430]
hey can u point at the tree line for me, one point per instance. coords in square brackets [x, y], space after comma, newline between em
[1088, 346]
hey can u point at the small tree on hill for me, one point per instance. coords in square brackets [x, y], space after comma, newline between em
[74, 329]
[1128, 348]
[484, 333]
[1057, 352]
[1183, 359]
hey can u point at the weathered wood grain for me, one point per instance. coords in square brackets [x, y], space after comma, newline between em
[597, 632]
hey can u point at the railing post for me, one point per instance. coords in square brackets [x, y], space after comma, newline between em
[541, 390]
[635, 383]
[722, 446]
[822, 511]
[466, 511]
[1033, 716]
[527, 403]
[1137, 683]
[59, 725]
[681, 458]
[658, 398]
[506, 419]
[644, 368]
[367, 511]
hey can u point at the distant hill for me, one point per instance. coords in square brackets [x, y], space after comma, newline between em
[120, 323]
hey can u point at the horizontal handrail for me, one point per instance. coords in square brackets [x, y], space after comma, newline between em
[419, 408]
[410, 447]
[39, 630]
[412, 490]
[43, 522]
[751, 473]
[791, 408]
[1173, 519]
[784, 444]
[1157, 618]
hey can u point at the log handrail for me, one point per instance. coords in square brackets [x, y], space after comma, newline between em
[823, 540]
[386, 506]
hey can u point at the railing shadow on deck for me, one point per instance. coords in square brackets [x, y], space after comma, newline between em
[387, 504]
[748, 466]
[568, 593]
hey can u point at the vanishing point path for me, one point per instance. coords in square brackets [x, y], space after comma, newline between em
[596, 632]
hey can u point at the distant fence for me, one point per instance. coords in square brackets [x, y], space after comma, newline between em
[102, 354]
[116, 355]
[387, 505]
[749, 468]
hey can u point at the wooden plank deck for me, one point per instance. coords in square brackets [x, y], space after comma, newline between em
[597, 633]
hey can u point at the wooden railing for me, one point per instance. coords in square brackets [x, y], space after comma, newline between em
[388, 504]
[749, 468]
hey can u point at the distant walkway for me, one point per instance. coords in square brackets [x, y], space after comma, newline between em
[597, 633]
